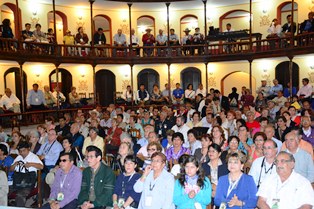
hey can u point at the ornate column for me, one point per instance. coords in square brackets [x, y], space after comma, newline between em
[92, 25]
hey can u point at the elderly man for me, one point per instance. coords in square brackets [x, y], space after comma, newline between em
[25, 162]
[286, 189]
[187, 40]
[273, 92]
[162, 125]
[303, 160]
[35, 99]
[97, 183]
[50, 99]
[66, 185]
[263, 167]
[10, 102]
[161, 40]
[59, 97]
[270, 134]
[119, 40]
[77, 138]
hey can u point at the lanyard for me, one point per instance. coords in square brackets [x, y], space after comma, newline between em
[123, 184]
[266, 171]
[233, 185]
[62, 182]
[47, 151]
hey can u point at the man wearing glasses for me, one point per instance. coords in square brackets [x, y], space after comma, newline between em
[287, 189]
[98, 182]
[66, 186]
[264, 166]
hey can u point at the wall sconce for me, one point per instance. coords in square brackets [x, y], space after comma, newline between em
[264, 11]
[80, 17]
[312, 67]
[37, 75]
[83, 75]
[34, 12]
[265, 70]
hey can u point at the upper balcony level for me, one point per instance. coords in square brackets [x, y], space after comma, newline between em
[248, 48]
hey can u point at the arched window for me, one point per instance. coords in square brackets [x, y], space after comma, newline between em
[65, 81]
[61, 24]
[12, 80]
[284, 9]
[148, 77]
[239, 20]
[143, 23]
[241, 78]
[104, 22]
[190, 75]
[188, 21]
[105, 87]
[282, 74]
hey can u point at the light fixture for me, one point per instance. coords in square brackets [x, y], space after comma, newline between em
[34, 12]
[312, 67]
[80, 17]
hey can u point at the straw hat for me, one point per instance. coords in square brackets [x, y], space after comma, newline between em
[187, 30]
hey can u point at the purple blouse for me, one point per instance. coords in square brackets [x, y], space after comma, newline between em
[171, 155]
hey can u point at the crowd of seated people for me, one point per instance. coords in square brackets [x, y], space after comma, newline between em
[196, 153]
[121, 42]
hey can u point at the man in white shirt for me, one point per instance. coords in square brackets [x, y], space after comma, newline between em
[10, 102]
[264, 88]
[182, 128]
[161, 40]
[57, 94]
[119, 40]
[287, 189]
[280, 100]
[208, 120]
[201, 90]
[135, 42]
[305, 92]
[264, 166]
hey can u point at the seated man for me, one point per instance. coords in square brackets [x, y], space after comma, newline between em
[35, 99]
[178, 94]
[308, 25]
[99, 40]
[142, 95]
[187, 40]
[97, 183]
[50, 99]
[59, 97]
[119, 40]
[135, 42]
[198, 39]
[66, 185]
[81, 39]
[10, 102]
[25, 162]
[276, 191]
[288, 28]
[161, 40]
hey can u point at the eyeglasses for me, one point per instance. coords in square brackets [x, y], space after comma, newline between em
[63, 160]
[268, 147]
[281, 161]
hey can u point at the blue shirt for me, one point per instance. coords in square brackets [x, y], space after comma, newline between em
[274, 90]
[286, 92]
[7, 162]
[249, 142]
[78, 141]
[177, 93]
[51, 152]
[35, 98]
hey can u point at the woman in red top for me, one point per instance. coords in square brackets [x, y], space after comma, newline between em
[113, 138]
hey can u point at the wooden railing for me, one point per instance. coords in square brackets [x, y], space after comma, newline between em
[106, 52]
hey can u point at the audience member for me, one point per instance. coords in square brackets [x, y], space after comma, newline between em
[308, 25]
[148, 40]
[10, 102]
[81, 39]
[35, 99]
[119, 41]
[161, 42]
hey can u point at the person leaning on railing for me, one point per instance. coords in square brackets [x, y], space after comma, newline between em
[81, 39]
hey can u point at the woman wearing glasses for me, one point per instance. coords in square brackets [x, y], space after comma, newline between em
[156, 185]
[236, 190]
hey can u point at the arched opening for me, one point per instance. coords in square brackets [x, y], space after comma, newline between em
[282, 74]
[12, 80]
[65, 81]
[239, 20]
[148, 77]
[284, 9]
[8, 11]
[190, 75]
[104, 22]
[241, 78]
[144, 22]
[188, 21]
[61, 24]
[105, 87]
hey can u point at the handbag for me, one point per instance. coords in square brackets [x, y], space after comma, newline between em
[24, 180]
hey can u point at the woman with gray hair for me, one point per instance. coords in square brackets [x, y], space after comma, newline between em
[34, 141]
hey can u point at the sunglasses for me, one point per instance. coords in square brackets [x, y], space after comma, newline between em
[63, 160]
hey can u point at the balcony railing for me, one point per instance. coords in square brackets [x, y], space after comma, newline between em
[15, 49]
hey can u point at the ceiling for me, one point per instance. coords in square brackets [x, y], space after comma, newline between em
[113, 5]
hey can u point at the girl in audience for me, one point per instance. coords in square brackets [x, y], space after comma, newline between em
[215, 168]
[236, 190]
[127, 96]
[124, 195]
[233, 142]
[43, 135]
[219, 137]
[124, 151]
[256, 150]
[201, 153]
[16, 138]
[174, 153]
[289, 123]
[192, 189]
[156, 184]
[113, 138]
[34, 141]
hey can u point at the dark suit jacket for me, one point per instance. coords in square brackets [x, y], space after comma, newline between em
[222, 169]
[225, 103]
[98, 38]
[286, 28]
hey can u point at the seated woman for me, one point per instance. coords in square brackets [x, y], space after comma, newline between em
[236, 190]
[201, 154]
[16, 138]
[196, 120]
[152, 148]
[74, 98]
[156, 97]
[233, 142]
[93, 139]
[174, 153]
[43, 135]
[146, 120]
[219, 137]
[189, 93]
[81, 39]
[256, 149]
[113, 138]
[34, 141]
[192, 189]
[127, 96]
[215, 168]
[68, 148]
[124, 195]
[125, 150]
[194, 143]
[156, 185]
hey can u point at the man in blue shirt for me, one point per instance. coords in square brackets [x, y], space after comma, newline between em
[178, 95]
[274, 89]
[35, 99]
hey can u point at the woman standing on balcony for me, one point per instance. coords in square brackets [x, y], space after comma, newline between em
[81, 38]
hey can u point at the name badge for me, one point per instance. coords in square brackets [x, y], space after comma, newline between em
[148, 201]
[99, 42]
[223, 205]
[275, 204]
[121, 202]
[36, 100]
[60, 196]
[197, 205]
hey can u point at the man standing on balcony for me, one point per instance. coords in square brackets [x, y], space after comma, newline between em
[10, 102]
[148, 40]
[174, 41]
[135, 42]
[161, 40]
[287, 27]
[119, 40]
[35, 99]
[99, 40]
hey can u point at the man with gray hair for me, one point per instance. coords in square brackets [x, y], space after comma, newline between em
[162, 125]
[287, 189]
